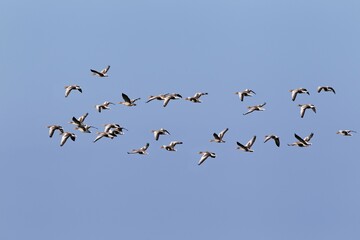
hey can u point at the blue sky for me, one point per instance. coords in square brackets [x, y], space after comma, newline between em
[96, 191]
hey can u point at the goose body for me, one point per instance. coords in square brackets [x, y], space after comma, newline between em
[205, 155]
[53, 128]
[295, 92]
[102, 73]
[326, 89]
[171, 146]
[302, 142]
[141, 150]
[247, 146]
[274, 137]
[255, 108]
[68, 89]
[159, 132]
[218, 138]
[127, 101]
[303, 108]
[196, 97]
[104, 106]
[66, 136]
[245, 93]
[347, 133]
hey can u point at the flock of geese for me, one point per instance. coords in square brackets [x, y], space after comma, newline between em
[112, 130]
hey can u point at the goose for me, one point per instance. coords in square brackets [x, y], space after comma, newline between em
[218, 138]
[102, 73]
[157, 97]
[303, 142]
[84, 128]
[205, 156]
[274, 137]
[247, 147]
[65, 136]
[255, 108]
[169, 97]
[171, 146]
[245, 93]
[159, 132]
[295, 92]
[104, 134]
[104, 106]
[346, 132]
[303, 108]
[78, 121]
[196, 97]
[141, 150]
[53, 128]
[68, 89]
[110, 126]
[127, 101]
[326, 89]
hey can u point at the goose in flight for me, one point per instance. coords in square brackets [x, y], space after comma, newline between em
[68, 89]
[84, 128]
[53, 128]
[171, 146]
[102, 73]
[326, 89]
[113, 127]
[218, 138]
[255, 108]
[295, 92]
[159, 132]
[104, 106]
[127, 101]
[245, 93]
[104, 134]
[65, 136]
[205, 155]
[302, 142]
[172, 96]
[274, 137]
[141, 150]
[346, 132]
[303, 108]
[196, 97]
[247, 146]
[157, 97]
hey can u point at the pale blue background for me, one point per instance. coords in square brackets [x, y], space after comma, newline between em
[96, 191]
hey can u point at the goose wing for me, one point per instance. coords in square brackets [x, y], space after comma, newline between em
[222, 133]
[250, 142]
[126, 98]
[105, 70]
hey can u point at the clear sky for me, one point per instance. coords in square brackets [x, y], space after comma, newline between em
[92, 191]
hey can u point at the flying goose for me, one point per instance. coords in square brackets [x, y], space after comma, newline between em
[247, 147]
[84, 128]
[127, 101]
[104, 134]
[159, 132]
[303, 142]
[274, 137]
[172, 96]
[245, 93]
[326, 89]
[113, 126]
[296, 91]
[171, 146]
[68, 89]
[157, 97]
[53, 128]
[65, 136]
[196, 97]
[219, 137]
[103, 106]
[102, 73]
[346, 132]
[255, 108]
[205, 155]
[141, 150]
[303, 108]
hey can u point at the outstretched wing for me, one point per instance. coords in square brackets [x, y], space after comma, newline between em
[126, 98]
